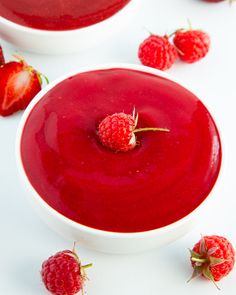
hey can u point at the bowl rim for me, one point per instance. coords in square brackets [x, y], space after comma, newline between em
[60, 33]
[98, 232]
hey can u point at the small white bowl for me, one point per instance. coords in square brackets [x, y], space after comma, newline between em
[69, 41]
[110, 242]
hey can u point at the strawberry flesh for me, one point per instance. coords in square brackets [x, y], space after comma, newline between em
[2, 59]
[19, 83]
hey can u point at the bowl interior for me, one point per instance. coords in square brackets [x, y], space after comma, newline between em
[36, 196]
[40, 29]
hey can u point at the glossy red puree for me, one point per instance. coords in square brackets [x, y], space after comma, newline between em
[59, 14]
[162, 180]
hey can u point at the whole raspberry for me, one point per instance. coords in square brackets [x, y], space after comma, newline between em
[117, 131]
[63, 274]
[192, 45]
[157, 52]
[213, 0]
[212, 257]
[216, 1]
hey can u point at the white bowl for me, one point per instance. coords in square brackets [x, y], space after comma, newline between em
[100, 240]
[69, 41]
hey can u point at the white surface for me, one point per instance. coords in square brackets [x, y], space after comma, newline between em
[25, 239]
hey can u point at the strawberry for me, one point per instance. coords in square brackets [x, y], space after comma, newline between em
[117, 131]
[212, 257]
[157, 52]
[63, 273]
[192, 45]
[2, 60]
[19, 83]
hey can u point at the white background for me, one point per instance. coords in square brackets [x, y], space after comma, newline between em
[25, 239]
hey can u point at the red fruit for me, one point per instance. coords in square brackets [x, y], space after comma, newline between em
[2, 60]
[19, 83]
[192, 45]
[63, 274]
[212, 257]
[213, 0]
[157, 52]
[117, 131]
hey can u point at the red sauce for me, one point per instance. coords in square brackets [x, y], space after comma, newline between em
[160, 181]
[59, 14]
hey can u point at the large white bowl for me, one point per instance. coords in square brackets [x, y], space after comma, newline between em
[100, 240]
[69, 41]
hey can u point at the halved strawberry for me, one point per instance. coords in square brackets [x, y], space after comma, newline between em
[19, 83]
[2, 59]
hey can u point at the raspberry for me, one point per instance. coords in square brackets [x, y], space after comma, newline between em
[213, 0]
[117, 131]
[157, 52]
[213, 257]
[192, 45]
[63, 274]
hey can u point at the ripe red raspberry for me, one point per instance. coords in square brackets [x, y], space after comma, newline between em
[117, 131]
[214, 0]
[2, 60]
[63, 274]
[157, 52]
[192, 45]
[212, 257]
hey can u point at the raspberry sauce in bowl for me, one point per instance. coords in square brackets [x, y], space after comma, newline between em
[59, 27]
[157, 184]
[59, 15]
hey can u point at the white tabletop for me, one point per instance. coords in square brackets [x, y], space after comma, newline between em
[26, 241]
